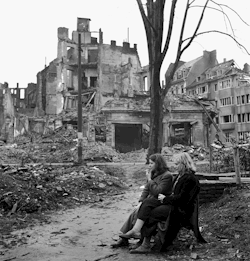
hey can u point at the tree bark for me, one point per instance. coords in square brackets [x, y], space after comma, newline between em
[156, 112]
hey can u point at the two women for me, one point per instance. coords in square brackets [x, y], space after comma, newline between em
[159, 181]
[179, 206]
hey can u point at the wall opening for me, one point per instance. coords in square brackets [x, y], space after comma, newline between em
[145, 83]
[128, 137]
[180, 133]
[93, 81]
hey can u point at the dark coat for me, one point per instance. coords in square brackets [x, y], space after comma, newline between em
[160, 184]
[184, 194]
[182, 203]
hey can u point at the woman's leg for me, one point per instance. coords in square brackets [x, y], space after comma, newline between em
[127, 226]
[129, 223]
[142, 215]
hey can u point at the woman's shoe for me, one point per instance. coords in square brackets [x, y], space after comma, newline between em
[122, 242]
[136, 245]
[142, 249]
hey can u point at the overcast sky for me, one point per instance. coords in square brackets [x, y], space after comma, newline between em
[29, 32]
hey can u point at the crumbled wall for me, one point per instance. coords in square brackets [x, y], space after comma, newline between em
[119, 70]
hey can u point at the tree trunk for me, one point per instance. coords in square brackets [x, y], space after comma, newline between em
[156, 112]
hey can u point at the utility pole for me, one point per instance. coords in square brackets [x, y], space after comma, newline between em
[79, 124]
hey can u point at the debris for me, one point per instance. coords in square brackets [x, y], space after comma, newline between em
[194, 255]
[104, 257]
[13, 210]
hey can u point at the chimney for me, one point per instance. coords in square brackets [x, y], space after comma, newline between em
[113, 43]
[135, 47]
[224, 60]
[63, 33]
[100, 36]
[246, 68]
[126, 45]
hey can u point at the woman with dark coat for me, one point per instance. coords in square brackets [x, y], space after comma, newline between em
[159, 181]
[178, 206]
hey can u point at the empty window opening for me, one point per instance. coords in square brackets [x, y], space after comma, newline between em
[145, 80]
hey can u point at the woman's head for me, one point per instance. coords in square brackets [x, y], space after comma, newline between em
[186, 164]
[158, 163]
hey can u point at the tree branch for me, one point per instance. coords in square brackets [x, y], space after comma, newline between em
[179, 52]
[197, 28]
[170, 28]
[144, 17]
[216, 31]
[147, 29]
[222, 11]
[231, 10]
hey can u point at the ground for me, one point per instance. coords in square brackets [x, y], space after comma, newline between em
[79, 223]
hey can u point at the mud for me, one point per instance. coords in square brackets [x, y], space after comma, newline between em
[83, 233]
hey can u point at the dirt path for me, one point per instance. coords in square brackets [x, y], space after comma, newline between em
[84, 233]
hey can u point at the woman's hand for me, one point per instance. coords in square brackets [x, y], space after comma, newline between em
[148, 174]
[161, 197]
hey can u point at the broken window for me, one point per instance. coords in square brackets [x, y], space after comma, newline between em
[202, 89]
[93, 81]
[227, 118]
[69, 79]
[247, 98]
[93, 56]
[238, 100]
[239, 117]
[243, 99]
[100, 133]
[227, 135]
[52, 75]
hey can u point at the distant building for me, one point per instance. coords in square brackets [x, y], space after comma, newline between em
[183, 125]
[188, 72]
[229, 88]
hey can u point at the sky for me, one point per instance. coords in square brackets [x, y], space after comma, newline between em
[28, 30]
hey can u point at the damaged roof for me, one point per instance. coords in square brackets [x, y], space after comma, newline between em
[185, 102]
[171, 102]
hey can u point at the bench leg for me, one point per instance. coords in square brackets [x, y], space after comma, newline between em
[194, 221]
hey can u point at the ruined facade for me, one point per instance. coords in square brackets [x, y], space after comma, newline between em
[128, 120]
[108, 72]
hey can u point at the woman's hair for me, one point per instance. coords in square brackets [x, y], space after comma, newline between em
[160, 163]
[187, 163]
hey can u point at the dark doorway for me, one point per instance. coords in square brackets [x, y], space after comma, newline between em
[128, 137]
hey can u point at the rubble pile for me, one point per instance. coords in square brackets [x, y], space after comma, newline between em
[99, 152]
[56, 147]
[134, 156]
[226, 224]
[197, 153]
[223, 159]
[39, 188]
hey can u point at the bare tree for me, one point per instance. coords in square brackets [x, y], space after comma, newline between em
[153, 20]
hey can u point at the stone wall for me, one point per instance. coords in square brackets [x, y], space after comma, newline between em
[212, 190]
